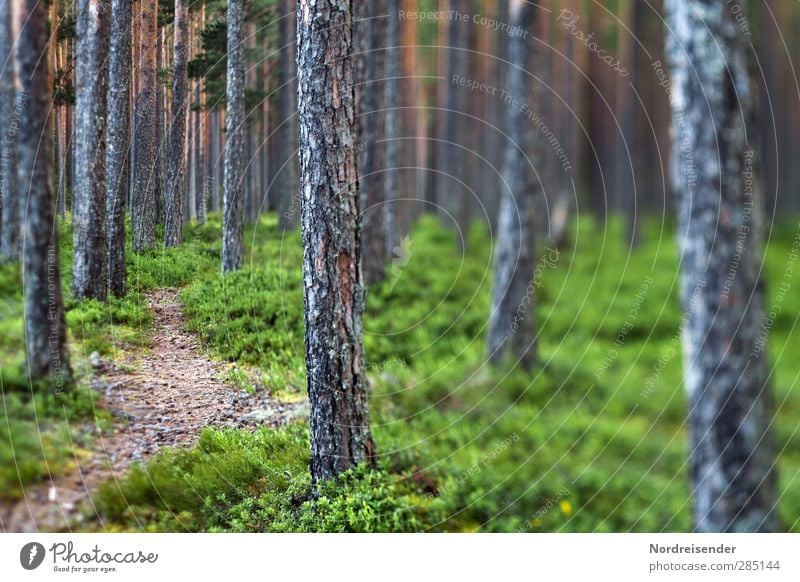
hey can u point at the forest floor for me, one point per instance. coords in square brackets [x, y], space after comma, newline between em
[161, 395]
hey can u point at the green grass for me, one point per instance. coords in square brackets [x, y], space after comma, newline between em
[577, 445]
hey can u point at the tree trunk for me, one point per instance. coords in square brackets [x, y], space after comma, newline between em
[11, 236]
[287, 166]
[334, 294]
[372, 37]
[511, 324]
[391, 183]
[720, 236]
[234, 145]
[45, 327]
[90, 245]
[118, 136]
[173, 217]
[145, 135]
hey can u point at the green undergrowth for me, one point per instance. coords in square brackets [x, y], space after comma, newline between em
[593, 439]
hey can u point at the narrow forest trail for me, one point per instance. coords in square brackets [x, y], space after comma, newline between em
[163, 395]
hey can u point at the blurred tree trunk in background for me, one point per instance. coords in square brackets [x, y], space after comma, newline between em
[233, 212]
[370, 32]
[176, 159]
[511, 323]
[45, 327]
[90, 245]
[145, 133]
[392, 145]
[287, 166]
[334, 294]
[11, 230]
[118, 136]
[715, 169]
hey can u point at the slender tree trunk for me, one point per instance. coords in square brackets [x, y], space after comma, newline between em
[371, 27]
[119, 142]
[234, 145]
[392, 163]
[11, 235]
[173, 219]
[334, 293]
[511, 325]
[715, 166]
[288, 164]
[45, 327]
[90, 245]
[145, 135]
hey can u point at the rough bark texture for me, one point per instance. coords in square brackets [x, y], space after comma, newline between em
[45, 328]
[11, 235]
[176, 168]
[371, 70]
[720, 237]
[145, 134]
[511, 325]
[118, 141]
[234, 145]
[288, 163]
[334, 294]
[392, 126]
[90, 246]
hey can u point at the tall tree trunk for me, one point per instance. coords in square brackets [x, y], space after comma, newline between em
[45, 327]
[715, 166]
[511, 324]
[11, 235]
[392, 162]
[90, 245]
[173, 217]
[234, 145]
[334, 293]
[372, 37]
[287, 163]
[119, 143]
[145, 134]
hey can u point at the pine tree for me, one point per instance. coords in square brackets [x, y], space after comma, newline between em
[334, 293]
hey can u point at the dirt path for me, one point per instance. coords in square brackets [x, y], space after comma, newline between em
[162, 396]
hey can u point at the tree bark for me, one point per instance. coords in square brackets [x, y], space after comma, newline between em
[119, 143]
[234, 145]
[511, 324]
[90, 245]
[145, 134]
[392, 163]
[334, 293]
[45, 327]
[173, 217]
[11, 235]
[715, 167]
[371, 28]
